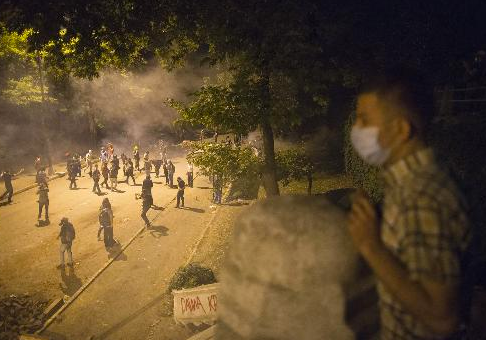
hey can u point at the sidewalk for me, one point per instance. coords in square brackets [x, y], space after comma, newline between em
[126, 299]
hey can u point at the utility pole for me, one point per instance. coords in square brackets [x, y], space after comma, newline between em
[47, 142]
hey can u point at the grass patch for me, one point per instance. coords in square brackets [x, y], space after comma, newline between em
[322, 183]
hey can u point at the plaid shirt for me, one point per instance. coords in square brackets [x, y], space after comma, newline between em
[425, 226]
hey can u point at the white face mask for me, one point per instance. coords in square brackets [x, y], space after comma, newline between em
[365, 142]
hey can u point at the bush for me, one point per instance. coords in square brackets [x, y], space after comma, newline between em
[191, 276]
[363, 175]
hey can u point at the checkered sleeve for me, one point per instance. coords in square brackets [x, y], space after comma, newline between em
[429, 248]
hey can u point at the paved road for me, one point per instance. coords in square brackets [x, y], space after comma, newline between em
[29, 254]
[127, 298]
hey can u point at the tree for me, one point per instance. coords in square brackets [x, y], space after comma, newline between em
[24, 79]
[229, 163]
[294, 165]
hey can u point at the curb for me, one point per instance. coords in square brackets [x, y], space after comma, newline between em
[101, 270]
[58, 175]
[206, 229]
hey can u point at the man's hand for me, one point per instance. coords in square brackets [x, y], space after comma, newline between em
[363, 223]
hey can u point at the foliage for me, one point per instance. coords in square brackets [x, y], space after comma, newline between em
[229, 162]
[25, 91]
[191, 276]
[293, 165]
[363, 175]
[217, 108]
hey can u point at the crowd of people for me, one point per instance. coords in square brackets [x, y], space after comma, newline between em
[105, 168]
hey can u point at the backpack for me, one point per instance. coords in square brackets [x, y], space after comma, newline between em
[104, 217]
[69, 234]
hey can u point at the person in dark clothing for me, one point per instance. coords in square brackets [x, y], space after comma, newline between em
[147, 184]
[147, 199]
[43, 193]
[67, 236]
[129, 171]
[157, 164]
[96, 175]
[106, 174]
[180, 192]
[72, 175]
[106, 223]
[171, 171]
[124, 160]
[166, 172]
[115, 166]
[77, 165]
[41, 176]
[7, 177]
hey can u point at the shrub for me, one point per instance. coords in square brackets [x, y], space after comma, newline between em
[191, 276]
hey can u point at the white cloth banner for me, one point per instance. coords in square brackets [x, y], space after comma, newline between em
[196, 305]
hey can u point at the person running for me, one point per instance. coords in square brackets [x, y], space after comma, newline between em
[67, 236]
[147, 199]
[129, 171]
[96, 175]
[180, 192]
[106, 223]
[43, 193]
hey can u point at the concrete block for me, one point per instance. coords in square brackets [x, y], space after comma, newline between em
[287, 272]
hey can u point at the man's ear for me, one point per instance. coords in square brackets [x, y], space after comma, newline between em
[403, 129]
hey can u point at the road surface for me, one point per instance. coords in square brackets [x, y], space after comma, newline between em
[132, 285]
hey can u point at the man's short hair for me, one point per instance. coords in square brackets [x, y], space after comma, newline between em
[411, 90]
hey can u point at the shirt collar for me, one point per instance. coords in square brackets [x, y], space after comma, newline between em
[398, 171]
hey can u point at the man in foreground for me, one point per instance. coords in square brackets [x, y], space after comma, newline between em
[416, 245]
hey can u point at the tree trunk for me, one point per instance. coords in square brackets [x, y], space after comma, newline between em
[92, 127]
[269, 167]
[269, 175]
[45, 136]
[309, 186]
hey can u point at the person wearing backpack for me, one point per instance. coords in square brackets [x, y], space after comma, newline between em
[43, 193]
[67, 236]
[106, 223]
